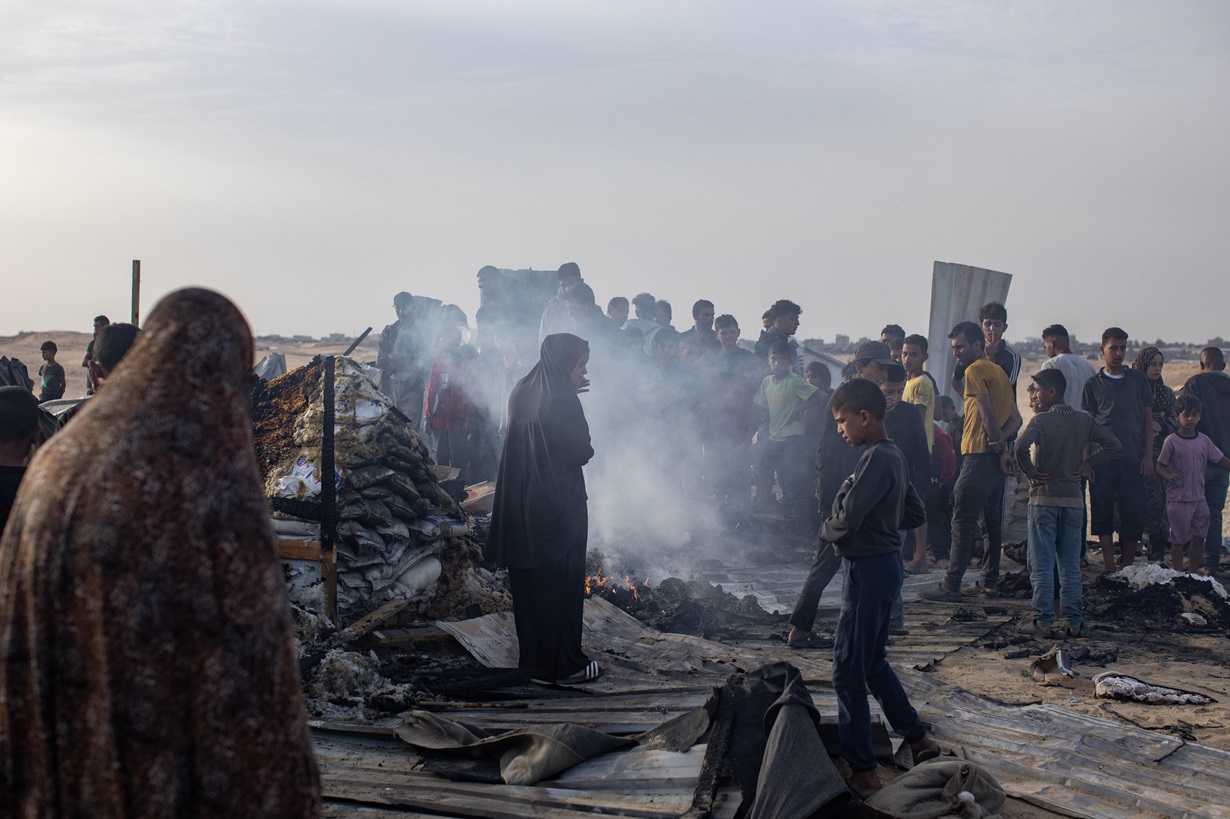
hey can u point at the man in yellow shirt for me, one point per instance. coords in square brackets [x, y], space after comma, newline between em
[919, 390]
[991, 418]
[919, 385]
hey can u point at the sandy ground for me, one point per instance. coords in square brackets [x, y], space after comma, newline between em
[72, 348]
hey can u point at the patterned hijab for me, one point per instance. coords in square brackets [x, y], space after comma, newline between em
[1163, 396]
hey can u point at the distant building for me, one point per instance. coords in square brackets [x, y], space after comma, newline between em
[841, 342]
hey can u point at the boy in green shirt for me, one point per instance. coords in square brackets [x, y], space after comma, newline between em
[787, 397]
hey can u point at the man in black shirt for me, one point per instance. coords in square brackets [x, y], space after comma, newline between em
[1120, 399]
[1212, 386]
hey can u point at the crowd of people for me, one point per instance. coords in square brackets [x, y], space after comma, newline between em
[885, 472]
[747, 427]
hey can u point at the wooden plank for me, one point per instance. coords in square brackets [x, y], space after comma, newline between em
[296, 549]
[408, 636]
[367, 622]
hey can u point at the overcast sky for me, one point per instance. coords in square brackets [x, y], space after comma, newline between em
[310, 159]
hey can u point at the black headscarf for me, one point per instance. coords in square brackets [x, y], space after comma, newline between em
[1163, 396]
[539, 513]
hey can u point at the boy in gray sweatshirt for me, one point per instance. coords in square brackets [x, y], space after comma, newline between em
[1051, 454]
[871, 508]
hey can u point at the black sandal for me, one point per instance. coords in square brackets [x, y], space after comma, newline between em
[587, 674]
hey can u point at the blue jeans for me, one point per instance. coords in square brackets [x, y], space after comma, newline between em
[1055, 541]
[1216, 481]
[860, 659]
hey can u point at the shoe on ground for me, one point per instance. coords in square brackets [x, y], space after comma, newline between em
[980, 589]
[1033, 628]
[942, 593]
[812, 641]
[898, 630]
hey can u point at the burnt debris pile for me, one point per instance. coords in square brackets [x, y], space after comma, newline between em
[399, 534]
[693, 607]
[1177, 601]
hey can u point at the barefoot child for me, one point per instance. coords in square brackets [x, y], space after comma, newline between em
[871, 508]
[1182, 464]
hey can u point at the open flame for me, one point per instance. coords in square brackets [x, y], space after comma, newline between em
[625, 594]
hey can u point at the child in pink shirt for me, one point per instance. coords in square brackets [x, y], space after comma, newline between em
[1181, 464]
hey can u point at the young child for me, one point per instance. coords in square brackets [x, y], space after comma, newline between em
[18, 432]
[51, 374]
[787, 398]
[871, 508]
[1051, 454]
[1182, 465]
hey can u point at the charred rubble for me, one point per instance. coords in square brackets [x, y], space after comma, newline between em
[400, 535]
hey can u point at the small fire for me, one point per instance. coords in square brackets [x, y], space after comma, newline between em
[626, 594]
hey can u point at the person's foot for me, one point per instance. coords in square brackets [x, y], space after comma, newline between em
[942, 593]
[898, 629]
[981, 588]
[1033, 628]
[925, 749]
[942, 565]
[865, 783]
[919, 566]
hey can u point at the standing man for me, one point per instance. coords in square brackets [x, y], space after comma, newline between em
[617, 311]
[91, 384]
[1212, 386]
[555, 314]
[702, 326]
[890, 332]
[993, 320]
[1076, 370]
[1120, 399]
[920, 391]
[785, 324]
[991, 420]
[403, 359]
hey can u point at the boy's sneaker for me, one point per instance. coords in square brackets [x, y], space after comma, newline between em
[942, 593]
[981, 588]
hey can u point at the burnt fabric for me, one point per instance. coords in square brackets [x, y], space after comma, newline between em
[539, 518]
[796, 777]
[148, 663]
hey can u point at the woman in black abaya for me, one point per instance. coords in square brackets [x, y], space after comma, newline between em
[539, 522]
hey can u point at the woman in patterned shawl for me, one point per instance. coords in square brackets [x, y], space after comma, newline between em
[148, 663]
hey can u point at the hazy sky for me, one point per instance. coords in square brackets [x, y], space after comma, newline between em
[310, 159]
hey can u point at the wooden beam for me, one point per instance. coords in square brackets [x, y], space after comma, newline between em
[409, 636]
[369, 621]
[293, 549]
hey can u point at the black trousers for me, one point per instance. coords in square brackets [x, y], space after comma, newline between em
[548, 603]
[825, 567]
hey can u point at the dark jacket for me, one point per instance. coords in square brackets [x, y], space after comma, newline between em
[1213, 390]
[905, 426]
[873, 505]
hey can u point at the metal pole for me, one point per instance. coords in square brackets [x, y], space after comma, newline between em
[136, 290]
[357, 342]
[328, 498]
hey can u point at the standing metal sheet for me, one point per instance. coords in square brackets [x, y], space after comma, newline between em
[957, 293]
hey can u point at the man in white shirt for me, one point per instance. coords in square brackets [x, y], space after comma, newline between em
[1076, 369]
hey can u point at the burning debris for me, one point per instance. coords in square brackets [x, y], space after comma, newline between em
[399, 534]
[625, 593]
